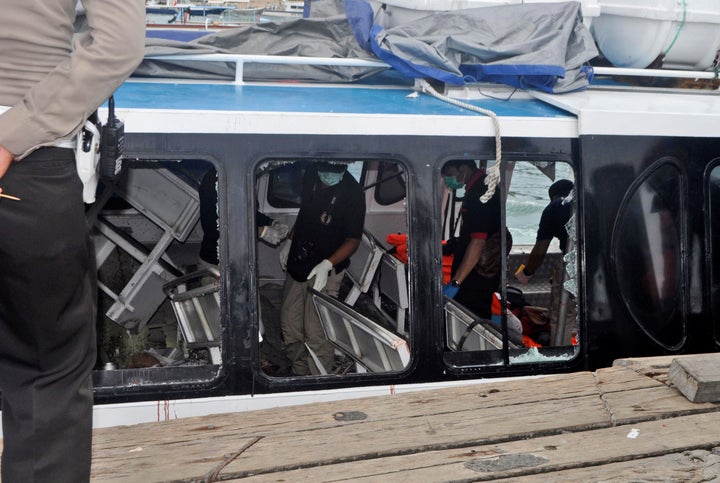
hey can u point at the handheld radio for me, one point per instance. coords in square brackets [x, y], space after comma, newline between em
[112, 145]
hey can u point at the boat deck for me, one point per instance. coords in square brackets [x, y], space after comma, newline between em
[624, 423]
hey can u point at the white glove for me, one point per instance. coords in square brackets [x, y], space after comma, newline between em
[284, 252]
[321, 272]
[274, 233]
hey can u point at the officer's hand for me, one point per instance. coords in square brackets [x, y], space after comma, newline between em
[450, 290]
[274, 233]
[6, 158]
[321, 272]
[522, 278]
[284, 252]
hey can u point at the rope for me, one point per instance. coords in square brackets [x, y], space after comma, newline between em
[492, 178]
[680, 27]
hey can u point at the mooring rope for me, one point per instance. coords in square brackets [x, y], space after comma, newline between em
[492, 179]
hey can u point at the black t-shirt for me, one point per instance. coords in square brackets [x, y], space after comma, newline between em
[328, 215]
[479, 220]
[553, 220]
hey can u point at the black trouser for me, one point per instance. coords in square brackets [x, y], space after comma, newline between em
[476, 294]
[47, 322]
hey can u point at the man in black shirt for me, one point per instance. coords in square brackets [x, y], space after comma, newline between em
[552, 225]
[327, 232]
[476, 252]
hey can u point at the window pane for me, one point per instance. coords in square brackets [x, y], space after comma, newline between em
[714, 210]
[646, 248]
[540, 311]
[159, 311]
[356, 320]
[391, 187]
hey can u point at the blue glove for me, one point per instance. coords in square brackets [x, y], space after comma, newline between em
[450, 290]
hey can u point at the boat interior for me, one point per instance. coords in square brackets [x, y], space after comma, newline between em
[157, 294]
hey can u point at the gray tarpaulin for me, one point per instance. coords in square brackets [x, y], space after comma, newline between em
[538, 46]
[307, 37]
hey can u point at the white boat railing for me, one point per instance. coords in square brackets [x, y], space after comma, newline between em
[678, 74]
[241, 59]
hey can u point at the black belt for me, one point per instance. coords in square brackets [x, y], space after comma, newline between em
[50, 153]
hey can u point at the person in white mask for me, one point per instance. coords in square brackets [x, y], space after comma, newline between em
[327, 232]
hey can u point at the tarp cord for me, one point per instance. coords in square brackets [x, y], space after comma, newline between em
[680, 28]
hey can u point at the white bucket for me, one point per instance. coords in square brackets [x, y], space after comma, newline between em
[397, 12]
[633, 33]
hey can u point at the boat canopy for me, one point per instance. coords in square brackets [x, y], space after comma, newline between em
[543, 47]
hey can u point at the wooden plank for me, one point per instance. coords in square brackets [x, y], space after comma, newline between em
[616, 379]
[312, 434]
[406, 405]
[686, 466]
[651, 403]
[378, 432]
[654, 367]
[697, 377]
[409, 435]
[551, 458]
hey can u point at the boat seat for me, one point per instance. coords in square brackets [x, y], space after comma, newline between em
[465, 331]
[195, 299]
[371, 346]
[169, 203]
[363, 265]
[392, 283]
[140, 298]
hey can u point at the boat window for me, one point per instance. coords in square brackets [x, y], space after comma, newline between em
[391, 185]
[285, 182]
[160, 302]
[646, 248]
[356, 320]
[540, 250]
[714, 211]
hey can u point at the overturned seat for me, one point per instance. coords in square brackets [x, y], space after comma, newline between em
[467, 332]
[171, 204]
[195, 299]
[372, 347]
[391, 282]
[363, 265]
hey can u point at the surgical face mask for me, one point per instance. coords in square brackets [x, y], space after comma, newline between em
[452, 183]
[330, 178]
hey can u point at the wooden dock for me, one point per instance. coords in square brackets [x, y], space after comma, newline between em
[624, 423]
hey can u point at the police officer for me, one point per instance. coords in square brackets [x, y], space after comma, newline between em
[48, 87]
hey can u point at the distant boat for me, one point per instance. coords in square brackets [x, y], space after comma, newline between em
[217, 13]
[241, 16]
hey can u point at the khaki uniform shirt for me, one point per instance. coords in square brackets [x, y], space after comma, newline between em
[50, 84]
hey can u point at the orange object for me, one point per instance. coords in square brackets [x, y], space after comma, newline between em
[447, 261]
[399, 241]
[528, 342]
